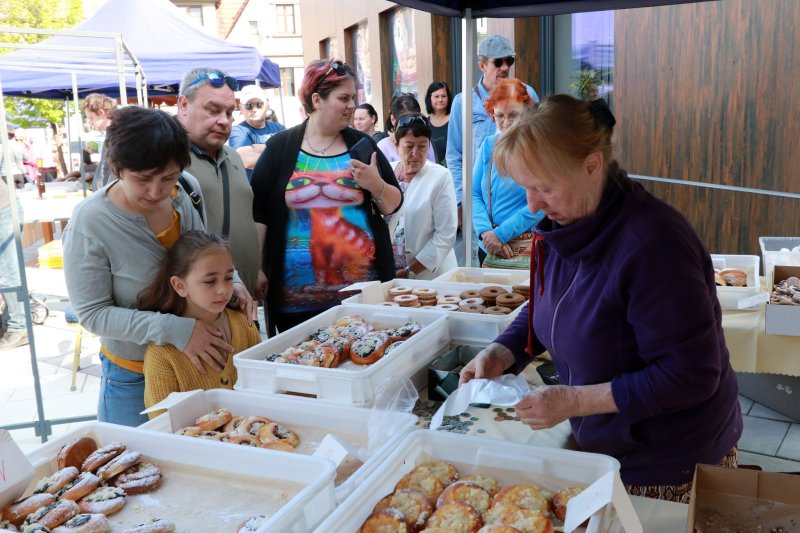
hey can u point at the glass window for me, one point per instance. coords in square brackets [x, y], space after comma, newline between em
[360, 40]
[287, 81]
[285, 19]
[330, 48]
[253, 28]
[195, 13]
[403, 52]
[592, 55]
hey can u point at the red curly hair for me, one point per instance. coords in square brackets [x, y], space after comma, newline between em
[315, 71]
[509, 89]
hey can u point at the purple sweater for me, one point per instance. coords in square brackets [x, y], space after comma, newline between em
[629, 298]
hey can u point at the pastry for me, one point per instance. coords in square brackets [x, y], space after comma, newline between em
[389, 304]
[52, 515]
[369, 348]
[101, 456]
[414, 505]
[17, 511]
[524, 290]
[406, 300]
[392, 347]
[560, 500]
[457, 518]
[211, 435]
[75, 452]
[85, 523]
[280, 445]
[386, 520]
[347, 320]
[214, 420]
[490, 294]
[407, 330]
[525, 520]
[36, 528]
[497, 310]
[490, 484]
[469, 294]
[275, 432]
[245, 440]
[448, 307]
[252, 425]
[232, 425]
[140, 478]
[448, 300]
[471, 301]
[422, 481]
[105, 500]
[5, 525]
[253, 523]
[156, 525]
[523, 496]
[118, 465]
[498, 528]
[399, 291]
[444, 471]
[466, 492]
[57, 481]
[733, 277]
[424, 294]
[191, 431]
[511, 300]
[471, 308]
[79, 487]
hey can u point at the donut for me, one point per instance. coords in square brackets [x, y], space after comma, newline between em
[490, 293]
[519, 518]
[406, 300]
[523, 496]
[85, 523]
[407, 330]
[385, 520]
[231, 425]
[139, 479]
[496, 310]
[490, 484]
[370, 348]
[57, 481]
[389, 304]
[448, 300]
[511, 300]
[52, 515]
[456, 517]
[498, 528]
[424, 294]
[414, 505]
[17, 511]
[348, 319]
[280, 445]
[471, 308]
[252, 425]
[733, 277]
[471, 301]
[422, 481]
[277, 432]
[524, 290]
[253, 523]
[191, 431]
[75, 452]
[105, 500]
[444, 471]
[448, 307]
[560, 499]
[118, 465]
[156, 525]
[399, 291]
[466, 492]
[245, 440]
[214, 419]
[469, 294]
[428, 306]
[79, 487]
[101, 456]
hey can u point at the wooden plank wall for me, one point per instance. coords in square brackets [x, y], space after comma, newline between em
[708, 92]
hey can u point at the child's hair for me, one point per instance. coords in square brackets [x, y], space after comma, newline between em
[159, 295]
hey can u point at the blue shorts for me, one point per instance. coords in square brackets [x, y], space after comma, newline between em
[121, 395]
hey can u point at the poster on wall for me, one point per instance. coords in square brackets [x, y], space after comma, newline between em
[403, 52]
[361, 54]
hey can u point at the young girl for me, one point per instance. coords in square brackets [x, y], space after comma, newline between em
[195, 281]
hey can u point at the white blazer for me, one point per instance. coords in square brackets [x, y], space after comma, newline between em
[431, 220]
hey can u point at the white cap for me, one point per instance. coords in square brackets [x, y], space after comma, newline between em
[251, 92]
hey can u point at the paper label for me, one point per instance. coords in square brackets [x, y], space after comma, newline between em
[334, 449]
[752, 301]
[607, 489]
[16, 472]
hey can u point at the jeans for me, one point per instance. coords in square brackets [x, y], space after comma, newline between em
[14, 313]
[121, 395]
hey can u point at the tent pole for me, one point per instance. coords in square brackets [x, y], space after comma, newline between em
[119, 49]
[467, 82]
[68, 127]
[81, 165]
[283, 110]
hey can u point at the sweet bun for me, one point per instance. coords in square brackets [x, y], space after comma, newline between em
[444, 471]
[456, 517]
[101, 456]
[75, 452]
[523, 496]
[280, 445]
[57, 481]
[85, 523]
[522, 519]
[490, 484]
[560, 499]
[233, 424]
[5, 525]
[422, 481]
[139, 479]
[17, 511]
[407, 330]
[214, 419]
[245, 440]
[252, 425]
[385, 520]
[276, 432]
[733, 277]
[156, 525]
[52, 515]
[466, 492]
[105, 500]
[347, 320]
[118, 465]
[369, 348]
[253, 523]
[79, 487]
[191, 431]
[36, 528]
[498, 528]
[416, 508]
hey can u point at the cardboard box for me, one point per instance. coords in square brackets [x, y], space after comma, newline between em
[783, 319]
[737, 499]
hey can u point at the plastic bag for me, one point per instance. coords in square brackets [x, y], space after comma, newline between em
[506, 390]
[393, 395]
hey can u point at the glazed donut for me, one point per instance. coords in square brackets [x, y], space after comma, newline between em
[52, 515]
[57, 481]
[280, 445]
[85, 523]
[370, 348]
[423, 481]
[139, 479]
[252, 425]
[156, 525]
[466, 492]
[118, 465]
[496, 310]
[75, 452]
[231, 425]
[277, 432]
[424, 294]
[490, 484]
[105, 500]
[245, 440]
[101, 456]
[469, 294]
[387, 519]
[490, 293]
[511, 300]
[448, 300]
[17, 511]
[733, 277]
[253, 523]
[389, 304]
[79, 487]
[448, 307]
[471, 301]
[523, 496]
[519, 518]
[458, 517]
[399, 291]
[191, 431]
[413, 504]
[214, 419]
[560, 499]
[471, 308]
[406, 300]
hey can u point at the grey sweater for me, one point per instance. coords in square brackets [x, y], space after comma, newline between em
[110, 256]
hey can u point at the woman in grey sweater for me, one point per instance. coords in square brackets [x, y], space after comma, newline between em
[140, 216]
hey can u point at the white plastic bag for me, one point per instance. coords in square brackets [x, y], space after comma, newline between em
[505, 390]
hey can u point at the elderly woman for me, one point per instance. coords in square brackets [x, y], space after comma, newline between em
[317, 211]
[142, 213]
[500, 211]
[623, 298]
[424, 231]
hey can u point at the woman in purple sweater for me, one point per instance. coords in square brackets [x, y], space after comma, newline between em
[623, 298]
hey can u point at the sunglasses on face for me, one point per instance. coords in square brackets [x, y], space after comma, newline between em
[337, 67]
[216, 80]
[250, 106]
[408, 120]
[498, 62]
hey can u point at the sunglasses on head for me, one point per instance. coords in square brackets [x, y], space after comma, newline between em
[216, 80]
[498, 62]
[409, 120]
[250, 106]
[337, 67]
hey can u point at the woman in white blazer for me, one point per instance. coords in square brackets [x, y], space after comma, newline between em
[424, 230]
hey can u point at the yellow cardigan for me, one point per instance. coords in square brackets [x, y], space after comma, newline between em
[167, 369]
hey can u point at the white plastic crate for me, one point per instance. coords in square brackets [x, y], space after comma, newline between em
[471, 329]
[749, 264]
[311, 419]
[771, 253]
[492, 276]
[299, 514]
[349, 383]
[509, 463]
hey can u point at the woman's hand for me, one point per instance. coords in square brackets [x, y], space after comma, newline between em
[367, 176]
[401, 273]
[206, 346]
[494, 245]
[489, 363]
[246, 303]
[547, 406]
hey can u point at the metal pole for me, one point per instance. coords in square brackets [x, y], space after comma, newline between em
[119, 50]
[69, 134]
[468, 52]
[81, 164]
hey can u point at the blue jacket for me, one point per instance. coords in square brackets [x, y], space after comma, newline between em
[509, 206]
[482, 127]
[629, 298]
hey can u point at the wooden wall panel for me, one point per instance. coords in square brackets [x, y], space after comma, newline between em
[442, 52]
[526, 44]
[708, 92]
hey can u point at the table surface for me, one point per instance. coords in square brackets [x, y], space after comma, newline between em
[58, 201]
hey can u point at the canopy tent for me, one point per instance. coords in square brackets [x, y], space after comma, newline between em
[165, 44]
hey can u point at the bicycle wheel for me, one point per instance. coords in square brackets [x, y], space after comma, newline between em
[39, 311]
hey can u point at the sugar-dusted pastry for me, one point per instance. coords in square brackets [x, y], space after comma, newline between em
[457, 518]
[416, 508]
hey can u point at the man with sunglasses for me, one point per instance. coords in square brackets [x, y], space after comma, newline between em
[248, 137]
[495, 58]
[206, 103]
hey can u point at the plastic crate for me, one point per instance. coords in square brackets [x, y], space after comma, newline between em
[492, 276]
[772, 255]
[749, 264]
[343, 421]
[300, 513]
[472, 329]
[51, 255]
[509, 463]
[349, 383]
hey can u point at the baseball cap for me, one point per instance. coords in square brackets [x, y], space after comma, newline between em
[251, 92]
[496, 46]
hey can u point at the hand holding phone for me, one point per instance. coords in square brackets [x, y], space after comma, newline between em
[362, 151]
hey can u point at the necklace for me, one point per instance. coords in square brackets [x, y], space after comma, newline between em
[320, 151]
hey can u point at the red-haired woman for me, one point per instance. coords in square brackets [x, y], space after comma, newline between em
[500, 210]
[319, 212]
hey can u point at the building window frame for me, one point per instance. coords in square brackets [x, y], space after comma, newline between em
[285, 21]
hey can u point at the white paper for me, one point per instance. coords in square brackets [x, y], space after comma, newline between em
[505, 390]
[607, 489]
[752, 301]
[173, 399]
[336, 450]
[16, 471]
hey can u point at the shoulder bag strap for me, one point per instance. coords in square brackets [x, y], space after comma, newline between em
[226, 199]
[197, 200]
[489, 191]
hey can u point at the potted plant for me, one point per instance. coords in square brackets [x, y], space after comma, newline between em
[587, 84]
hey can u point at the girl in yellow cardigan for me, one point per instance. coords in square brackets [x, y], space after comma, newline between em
[195, 281]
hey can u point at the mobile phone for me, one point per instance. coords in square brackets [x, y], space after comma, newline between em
[362, 150]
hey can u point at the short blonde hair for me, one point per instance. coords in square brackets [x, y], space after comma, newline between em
[554, 136]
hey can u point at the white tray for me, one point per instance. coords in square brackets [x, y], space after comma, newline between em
[749, 264]
[492, 276]
[471, 329]
[349, 383]
[311, 419]
[771, 253]
[299, 514]
[509, 463]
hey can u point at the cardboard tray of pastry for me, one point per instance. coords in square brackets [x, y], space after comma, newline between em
[477, 312]
[291, 424]
[737, 279]
[134, 478]
[486, 276]
[436, 479]
[397, 342]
